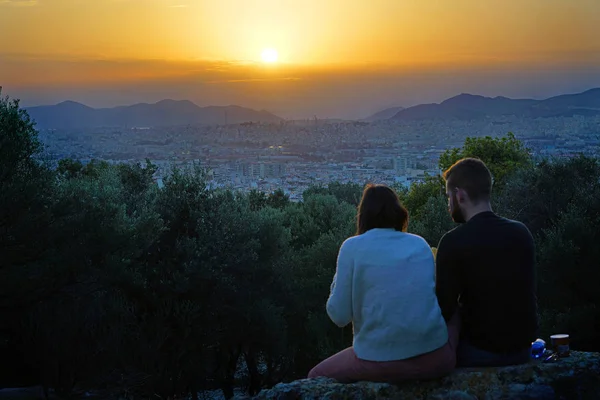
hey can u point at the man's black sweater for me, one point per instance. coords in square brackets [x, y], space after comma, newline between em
[486, 268]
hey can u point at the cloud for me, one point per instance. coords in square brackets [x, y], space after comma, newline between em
[18, 3]
[32, 70]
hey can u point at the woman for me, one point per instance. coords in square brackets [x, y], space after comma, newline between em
[385, 285]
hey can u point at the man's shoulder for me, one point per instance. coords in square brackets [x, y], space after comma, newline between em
[517, 223]
[453, 234]
[517, 226]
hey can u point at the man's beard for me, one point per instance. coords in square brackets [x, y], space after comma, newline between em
[456, 213]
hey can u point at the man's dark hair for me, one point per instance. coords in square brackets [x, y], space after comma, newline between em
[380, 208]
[471, 175]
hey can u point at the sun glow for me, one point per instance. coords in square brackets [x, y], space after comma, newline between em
[269, 55]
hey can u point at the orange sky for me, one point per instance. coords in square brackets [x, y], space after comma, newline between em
[46, 43]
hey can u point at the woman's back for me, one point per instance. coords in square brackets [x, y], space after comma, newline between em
[385, 285]
[394, 309]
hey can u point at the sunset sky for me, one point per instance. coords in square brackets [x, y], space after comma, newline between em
[337, 58]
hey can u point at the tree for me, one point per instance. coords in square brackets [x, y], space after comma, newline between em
[19, 144]
[278, 199]
[349, 192]
[257, 199]
[26, 187]
[75, 328]
[25, 199]
[568, 269]
[503, 156]
[536, 196]
[135, 177]
[433, 221]
[69, 168]
[419, 194]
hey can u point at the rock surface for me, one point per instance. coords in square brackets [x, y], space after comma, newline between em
[575, 377]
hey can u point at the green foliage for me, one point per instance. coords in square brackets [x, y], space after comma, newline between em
[568, 267]
[434, 220]
[108, 282]
[349, 192]
[277, 199]
[69, 168]
[419, 194]
[401, 190]
[135, 177]
[503, 156]
[18, 141]
[26, 187]
[257, 199]
[68, 299]
[535, 196]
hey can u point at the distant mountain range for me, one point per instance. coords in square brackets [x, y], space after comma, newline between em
[469, 107]
[384, 114]
[73, 115]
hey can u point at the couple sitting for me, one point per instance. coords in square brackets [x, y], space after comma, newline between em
[418, 317]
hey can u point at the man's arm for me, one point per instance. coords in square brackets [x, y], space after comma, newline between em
[447, 277]
[531, 252]
[339, 304]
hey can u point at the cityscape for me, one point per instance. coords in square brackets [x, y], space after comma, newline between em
[292, 155]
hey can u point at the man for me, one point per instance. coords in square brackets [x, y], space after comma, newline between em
[485, 271]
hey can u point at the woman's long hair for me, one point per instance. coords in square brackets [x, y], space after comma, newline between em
[380, 208]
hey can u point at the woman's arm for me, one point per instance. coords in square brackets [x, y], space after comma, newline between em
[339, 304]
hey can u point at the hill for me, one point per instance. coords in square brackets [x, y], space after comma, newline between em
[384, 114]
[585, 103]
[72, 115]
[468, 107]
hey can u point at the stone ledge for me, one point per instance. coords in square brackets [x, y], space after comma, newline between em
[575, 377]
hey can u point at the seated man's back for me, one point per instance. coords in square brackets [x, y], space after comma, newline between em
[485, 268]
[492, 259]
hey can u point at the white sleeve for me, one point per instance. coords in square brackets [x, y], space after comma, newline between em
[339, 304]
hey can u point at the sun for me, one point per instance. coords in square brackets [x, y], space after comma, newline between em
[269, 55]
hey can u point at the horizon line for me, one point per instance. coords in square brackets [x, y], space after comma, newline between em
[223, 105]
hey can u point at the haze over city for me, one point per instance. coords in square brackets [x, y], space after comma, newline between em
[333, 59]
